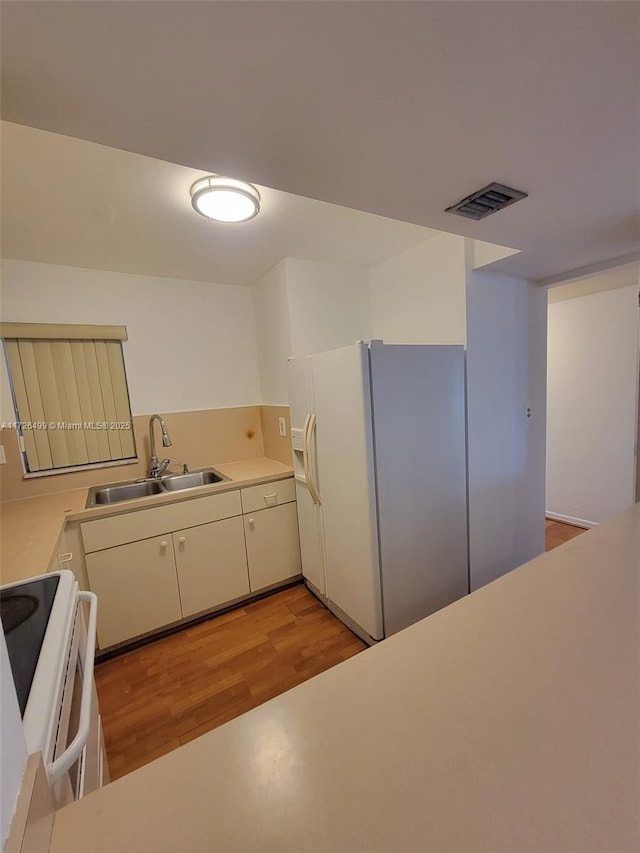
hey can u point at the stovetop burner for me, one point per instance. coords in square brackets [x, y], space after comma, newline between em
[25, 610]
[14, 611]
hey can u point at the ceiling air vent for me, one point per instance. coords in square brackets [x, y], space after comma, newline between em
[486, 201]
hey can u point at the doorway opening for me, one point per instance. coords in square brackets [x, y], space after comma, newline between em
[593, 389]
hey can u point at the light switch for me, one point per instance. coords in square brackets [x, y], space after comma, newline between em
[283, 426]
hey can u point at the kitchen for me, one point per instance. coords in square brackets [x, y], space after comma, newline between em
[312, 310]
[256, 781]
[221, 436]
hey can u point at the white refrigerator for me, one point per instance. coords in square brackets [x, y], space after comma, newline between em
[379, 447]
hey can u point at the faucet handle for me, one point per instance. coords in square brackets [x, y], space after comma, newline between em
[163, 465]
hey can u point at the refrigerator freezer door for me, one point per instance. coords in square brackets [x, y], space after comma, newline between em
[309, 514]
[301, 406]
[310, 529]
[419, 428]
[345, 473]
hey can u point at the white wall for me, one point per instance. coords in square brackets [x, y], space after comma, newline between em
[13, 746]
[506, 372]
[488, 253]
[303, 307]
[271, 307]
[329, 305]
[418, 297]
[592, 405]
[191, 345]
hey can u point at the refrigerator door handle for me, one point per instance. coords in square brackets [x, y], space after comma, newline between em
[306, 458]
[313, 489]
[305, 445]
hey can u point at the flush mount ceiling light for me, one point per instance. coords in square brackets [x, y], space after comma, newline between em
[225, 199]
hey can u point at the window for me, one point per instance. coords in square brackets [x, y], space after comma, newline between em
[70, 396]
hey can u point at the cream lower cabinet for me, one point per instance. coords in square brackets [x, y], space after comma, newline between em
[273, 548]
[212, 565]
[137, 589]
[153, 567]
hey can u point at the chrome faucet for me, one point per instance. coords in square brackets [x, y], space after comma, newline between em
[155, 467]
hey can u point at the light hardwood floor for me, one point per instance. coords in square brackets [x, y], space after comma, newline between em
[158, 697]
[557, 533]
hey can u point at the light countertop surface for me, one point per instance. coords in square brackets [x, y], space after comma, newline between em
[509, 721]
[31, 527]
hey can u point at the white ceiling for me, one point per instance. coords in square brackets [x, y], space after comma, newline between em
[396, 108]
[627, 276]
[76, 203]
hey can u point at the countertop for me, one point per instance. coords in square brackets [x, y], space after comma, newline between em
[509, 721]
[31, 527]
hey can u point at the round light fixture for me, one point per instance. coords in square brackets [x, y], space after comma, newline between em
[225, 199]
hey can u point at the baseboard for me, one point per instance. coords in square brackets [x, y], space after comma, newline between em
[569, 519]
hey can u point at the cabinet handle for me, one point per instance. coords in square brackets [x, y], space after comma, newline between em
[182, 540]
[163, 545]
[251, 522]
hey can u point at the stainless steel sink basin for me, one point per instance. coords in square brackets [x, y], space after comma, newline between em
[205, 477]
[116, 492]
[100, 495]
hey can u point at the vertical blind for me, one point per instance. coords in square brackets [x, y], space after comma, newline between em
[70, 392]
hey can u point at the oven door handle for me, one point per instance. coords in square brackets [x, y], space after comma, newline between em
[71, 754]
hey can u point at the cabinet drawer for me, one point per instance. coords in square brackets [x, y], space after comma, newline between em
[145, 523]
[268, 494]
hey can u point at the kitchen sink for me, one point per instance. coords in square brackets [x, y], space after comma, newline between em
[123, 492]
[191, 480]
[116, 492]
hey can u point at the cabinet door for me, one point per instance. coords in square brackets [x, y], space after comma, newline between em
[273, 548]
[212, 565]
[137, 589]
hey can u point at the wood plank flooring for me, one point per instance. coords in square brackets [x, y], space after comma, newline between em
[557, 533]
[158, 697]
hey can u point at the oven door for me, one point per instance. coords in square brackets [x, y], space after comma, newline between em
[79, 765]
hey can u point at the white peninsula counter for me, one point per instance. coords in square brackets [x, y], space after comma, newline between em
[510, 721]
